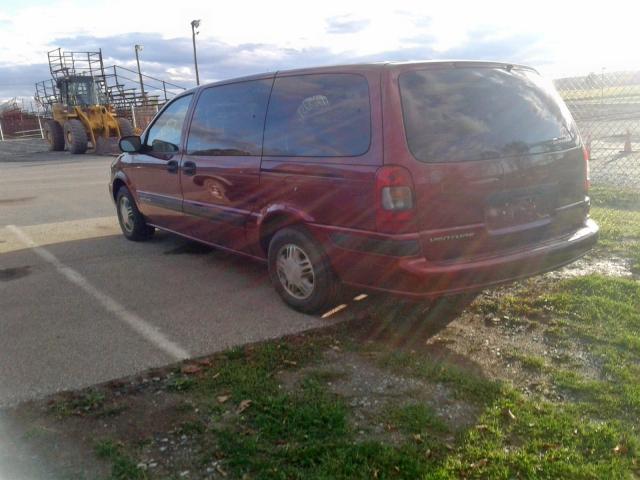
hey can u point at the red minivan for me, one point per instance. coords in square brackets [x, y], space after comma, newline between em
[417, 179]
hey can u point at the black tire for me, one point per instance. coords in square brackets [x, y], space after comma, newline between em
[75, 136]
[134, 226]
[325, 286]
[54, 135]
[126, 129]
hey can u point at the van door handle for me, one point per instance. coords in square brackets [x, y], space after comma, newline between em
[189, 168]
[172, 166]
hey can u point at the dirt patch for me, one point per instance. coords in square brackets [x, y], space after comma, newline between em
[405, 325]
[611, 265]
[370, 390]
[56, 438]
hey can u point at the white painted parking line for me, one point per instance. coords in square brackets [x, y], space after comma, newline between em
[44, 234]
[135, 322]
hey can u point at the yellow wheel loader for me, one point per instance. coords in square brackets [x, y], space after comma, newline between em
[83, 116]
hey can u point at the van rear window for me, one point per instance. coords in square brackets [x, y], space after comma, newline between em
[475, 113]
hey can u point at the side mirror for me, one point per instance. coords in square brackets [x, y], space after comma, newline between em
[160, 146]
[130, 144]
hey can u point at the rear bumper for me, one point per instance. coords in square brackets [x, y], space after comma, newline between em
[418, 277]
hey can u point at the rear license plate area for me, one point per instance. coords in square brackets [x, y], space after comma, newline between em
[531, 209]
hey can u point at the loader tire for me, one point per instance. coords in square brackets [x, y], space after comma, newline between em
[126, 129]
[54, 135]
[75, 136]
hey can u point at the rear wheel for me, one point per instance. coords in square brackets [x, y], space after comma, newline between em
[126, 129]
[75, 136]
[300, 271]
[54, 135]
[132, 222]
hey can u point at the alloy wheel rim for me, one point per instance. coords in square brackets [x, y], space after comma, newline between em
[126, 214]
[295, 271]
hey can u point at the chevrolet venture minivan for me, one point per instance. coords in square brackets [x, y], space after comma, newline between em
[416, 179]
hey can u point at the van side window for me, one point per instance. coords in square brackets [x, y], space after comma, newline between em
[229, 119]
[319, 115]
[164, 135]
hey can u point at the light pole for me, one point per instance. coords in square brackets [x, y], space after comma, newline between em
[195, 24]
[602, 86]
[139, 49]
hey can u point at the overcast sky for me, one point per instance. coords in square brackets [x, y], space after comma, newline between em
[560, 38]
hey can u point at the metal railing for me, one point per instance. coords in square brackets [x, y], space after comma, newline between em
[606, 107]
[125, 89]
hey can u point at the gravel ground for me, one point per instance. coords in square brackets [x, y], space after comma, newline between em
[17, 149]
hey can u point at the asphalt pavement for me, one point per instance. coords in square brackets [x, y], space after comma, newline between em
[79, 304]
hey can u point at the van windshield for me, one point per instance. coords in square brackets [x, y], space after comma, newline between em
[475, 113]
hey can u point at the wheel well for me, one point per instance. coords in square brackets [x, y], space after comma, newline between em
[117, 184]
[271, 225]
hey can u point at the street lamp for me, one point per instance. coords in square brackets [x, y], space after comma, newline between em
[139, 49]
[195, 24]
[602, 86]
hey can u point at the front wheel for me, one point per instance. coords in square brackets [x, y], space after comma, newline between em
[54, 135]
[132, 222]
[75, 136]
[125, 127]
[300, 271]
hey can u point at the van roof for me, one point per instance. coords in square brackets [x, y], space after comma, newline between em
[371, 66]
[363, 67]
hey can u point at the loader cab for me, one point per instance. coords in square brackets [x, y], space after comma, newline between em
[80, 91]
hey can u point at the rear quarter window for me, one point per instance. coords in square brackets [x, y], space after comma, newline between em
[475, 113]
[318, 115]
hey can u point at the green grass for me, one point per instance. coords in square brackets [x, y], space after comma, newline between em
[306, 434]
[540, 440]
[305, 431]
[464, 384]
[327, 376]
[629, 92]
[414, 418]
[123, 467]
[618, 214]
[533, 363]
[89, 402]
[615, 198]
[191, 428]
[604, 312]
[180, 383]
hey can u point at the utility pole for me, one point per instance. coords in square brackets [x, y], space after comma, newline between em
[602, 86]
[139, 49]
[195, 24]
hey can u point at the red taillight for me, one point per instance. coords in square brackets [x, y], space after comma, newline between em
[395, 206]
[587, 172]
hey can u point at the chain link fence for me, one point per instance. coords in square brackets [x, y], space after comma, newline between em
[606, 107]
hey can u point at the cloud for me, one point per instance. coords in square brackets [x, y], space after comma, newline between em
[517, 48]
[346, 24]
[171, 59]
[216, 60]
[19, 81]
